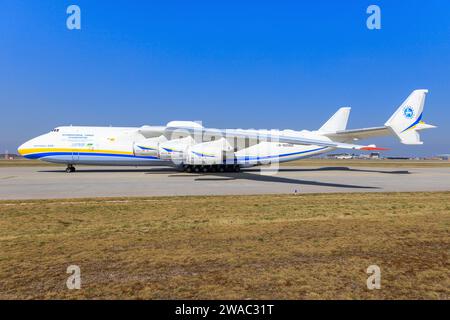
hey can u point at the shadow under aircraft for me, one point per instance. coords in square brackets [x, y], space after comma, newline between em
[251, 174]
[226, 176]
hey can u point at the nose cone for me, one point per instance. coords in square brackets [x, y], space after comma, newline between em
[21, 149]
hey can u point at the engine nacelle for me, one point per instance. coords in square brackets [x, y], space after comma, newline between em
[210, 153]
[175, 150]
[148, 147]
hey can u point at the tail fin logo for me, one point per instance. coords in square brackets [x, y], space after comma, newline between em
[408, 112]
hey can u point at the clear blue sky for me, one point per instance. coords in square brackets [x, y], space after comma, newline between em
[257, 64]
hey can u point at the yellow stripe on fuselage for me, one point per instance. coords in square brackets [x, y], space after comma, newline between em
[25, 152]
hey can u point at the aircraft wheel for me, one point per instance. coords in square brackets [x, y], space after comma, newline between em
[189, 169]
[70, 168]
[205, 169]
[196, 168]
[222, 168]
[237, 168]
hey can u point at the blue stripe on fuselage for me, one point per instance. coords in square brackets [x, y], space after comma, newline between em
[279, 156]
[50, 154]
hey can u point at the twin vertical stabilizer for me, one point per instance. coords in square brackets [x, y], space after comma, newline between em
[337, 122]
[405, 123]
[407, 120]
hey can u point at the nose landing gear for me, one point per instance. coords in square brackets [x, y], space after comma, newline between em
[70, 168]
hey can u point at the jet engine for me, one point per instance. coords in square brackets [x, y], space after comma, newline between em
[175, 150]
[148, 147]
[210, 153]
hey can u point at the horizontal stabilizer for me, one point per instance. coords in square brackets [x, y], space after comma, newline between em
[370, 148]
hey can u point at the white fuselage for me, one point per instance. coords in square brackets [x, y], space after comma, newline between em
[116, 146]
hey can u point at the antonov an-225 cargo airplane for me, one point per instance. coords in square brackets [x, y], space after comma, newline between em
[192, 147]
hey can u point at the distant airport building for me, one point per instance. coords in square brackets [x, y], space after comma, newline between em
[345, 156]
[372, 155]
[9, 156]
[341, 156]
[444, 156]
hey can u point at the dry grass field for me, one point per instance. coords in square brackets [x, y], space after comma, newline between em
[315, 246]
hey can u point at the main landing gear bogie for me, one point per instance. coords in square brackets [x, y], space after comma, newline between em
[211, 168]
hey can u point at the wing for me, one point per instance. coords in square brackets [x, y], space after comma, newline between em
[274, 136]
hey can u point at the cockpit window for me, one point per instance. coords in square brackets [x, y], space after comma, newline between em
[55, 130]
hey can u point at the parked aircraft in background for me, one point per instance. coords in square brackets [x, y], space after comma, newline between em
[192, 147]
